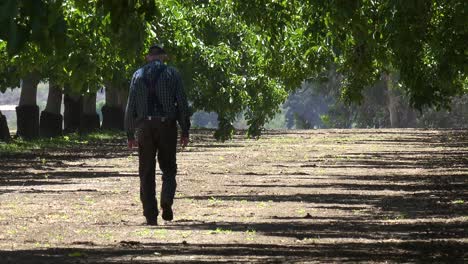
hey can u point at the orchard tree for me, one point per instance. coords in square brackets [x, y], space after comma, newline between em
[425, 40]
[102, 52]
[25, 70]
[73, 41]
[6, 80]
[33, 30]
[226, 64]
[51, 119]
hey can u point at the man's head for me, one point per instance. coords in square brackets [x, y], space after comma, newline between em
[156, 52]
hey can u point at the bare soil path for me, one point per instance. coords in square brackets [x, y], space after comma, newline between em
[289, 197]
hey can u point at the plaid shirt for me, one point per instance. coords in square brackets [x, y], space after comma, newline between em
[171, 99]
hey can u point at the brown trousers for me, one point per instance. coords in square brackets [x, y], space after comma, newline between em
[157, 139]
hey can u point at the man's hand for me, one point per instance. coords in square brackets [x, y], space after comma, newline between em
[184, 141]
[132, 143]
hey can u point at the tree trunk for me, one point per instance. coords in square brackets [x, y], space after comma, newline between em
[401, 112]
[393, 104]
[51, 118]
[112, 111]
[73, 109]
[4, 131]
[27, 112]
[89, 119]
[393, 99]
[123, 96]
[411, 117]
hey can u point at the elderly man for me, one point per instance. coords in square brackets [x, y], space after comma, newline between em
[155, 102]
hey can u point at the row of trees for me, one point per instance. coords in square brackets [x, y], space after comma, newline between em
[236, 56]
[69, 45]
[317, 105]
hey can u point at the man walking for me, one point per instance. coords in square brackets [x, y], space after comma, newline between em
[155, 102]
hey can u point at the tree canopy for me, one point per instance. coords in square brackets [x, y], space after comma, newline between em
[242, 56]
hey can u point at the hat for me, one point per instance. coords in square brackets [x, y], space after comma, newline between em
[156, 49]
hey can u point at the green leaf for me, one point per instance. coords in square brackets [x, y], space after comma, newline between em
[76, 255]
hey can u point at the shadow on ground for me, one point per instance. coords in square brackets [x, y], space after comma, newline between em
[412, 235]
[134, 252]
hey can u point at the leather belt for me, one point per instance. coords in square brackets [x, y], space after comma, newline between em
[157, 118]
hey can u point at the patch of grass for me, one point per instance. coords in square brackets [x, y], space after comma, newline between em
[190, 200]
[457, 202]
[39, 245]
[160, 233]
[132, 158]
[143, 232]
[89, 200]
[24, 146]
[58, 237]
[104, 135]
[220, 231]
[250, 234]
[185, 234]
[77, 255]
[12, 232]
[106, 235]
[214, 201]
[136, 199]
[11, 205]
[23, 228]
[83, 231]
[358, 211]
[321, 171]
[301, 211]
[401, 216]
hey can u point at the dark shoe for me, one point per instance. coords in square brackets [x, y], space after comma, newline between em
[152, 221]
[167, 213]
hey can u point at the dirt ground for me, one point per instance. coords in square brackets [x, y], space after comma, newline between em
[315, 196]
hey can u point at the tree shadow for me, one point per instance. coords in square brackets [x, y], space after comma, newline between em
[9, 182]
[447, 137]
[399, 160]
[342, 228]
[57, 165]
[135, 252]
[418, 205]
[410, 186]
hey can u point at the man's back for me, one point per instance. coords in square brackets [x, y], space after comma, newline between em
[157, 90]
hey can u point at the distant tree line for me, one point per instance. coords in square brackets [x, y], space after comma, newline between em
[317, 104]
